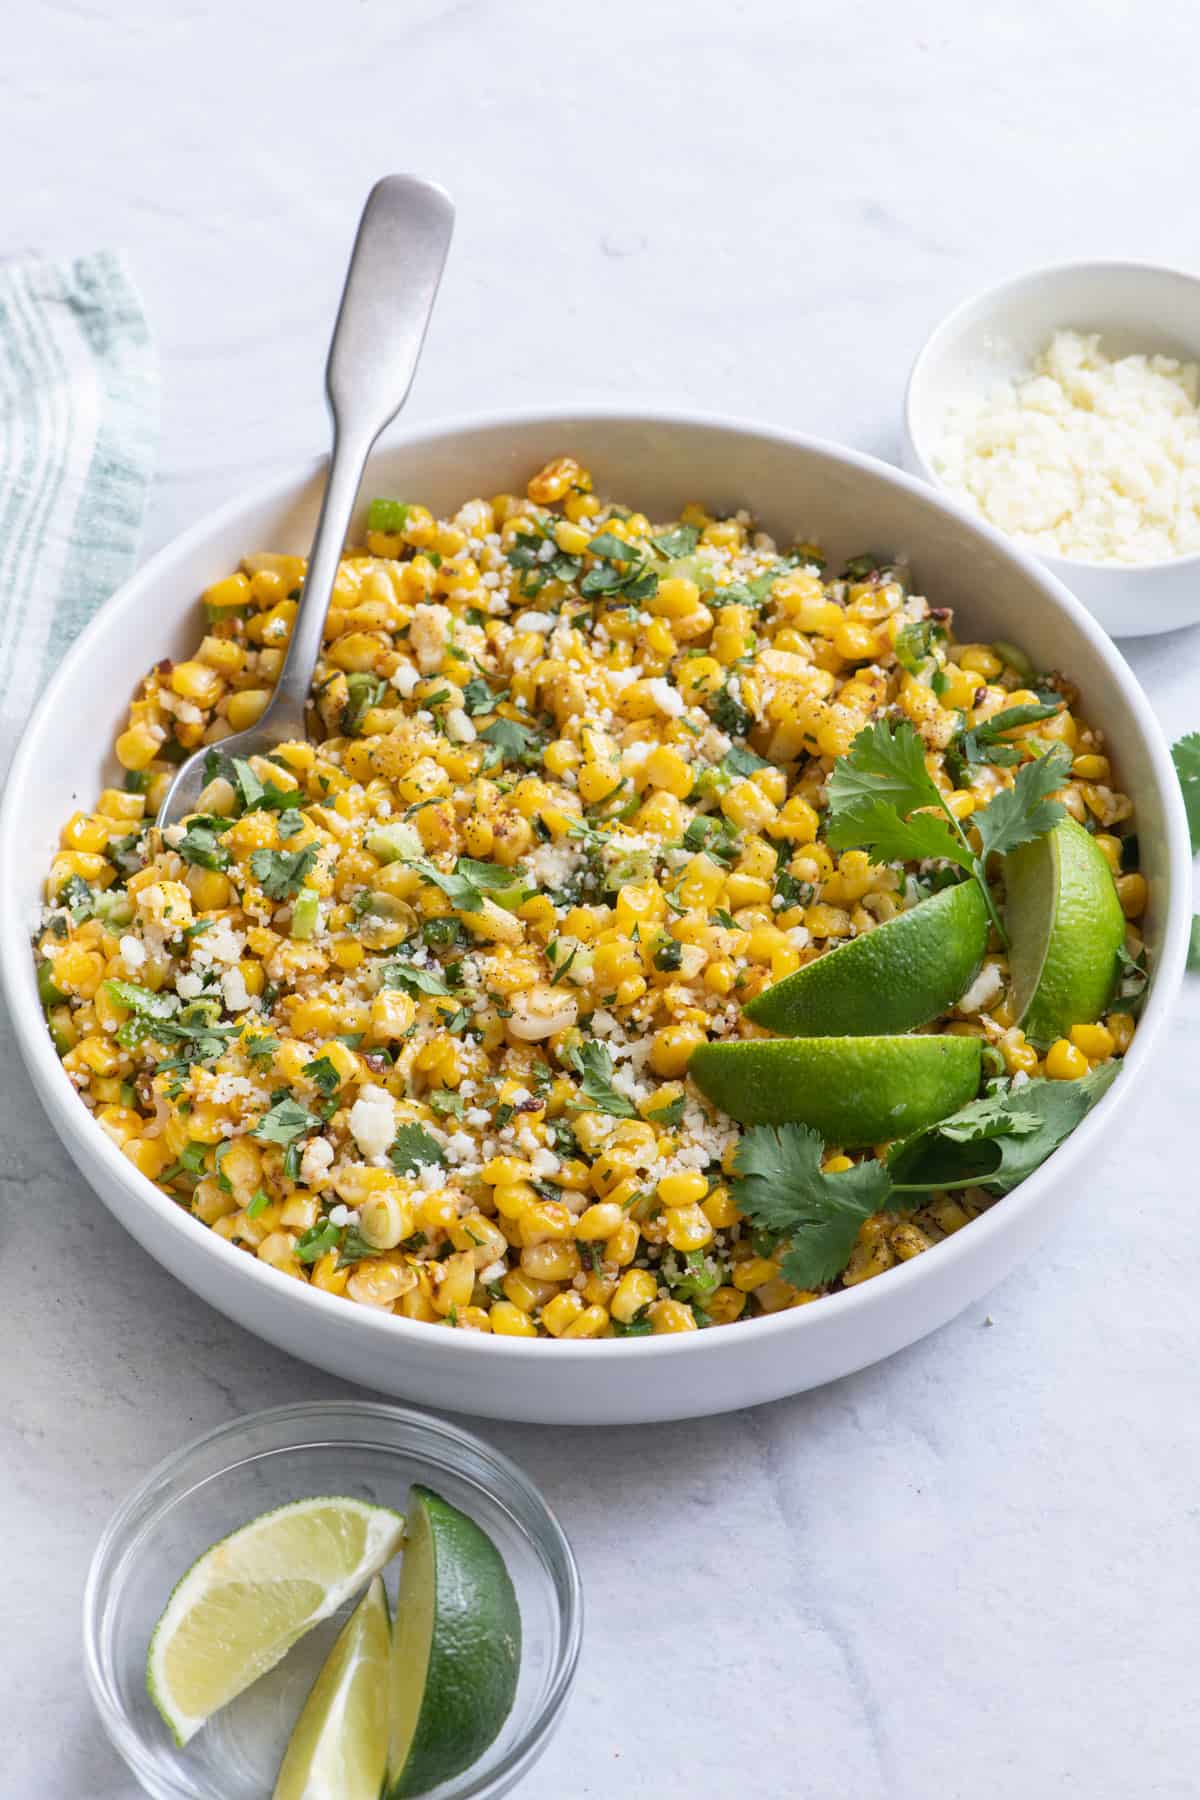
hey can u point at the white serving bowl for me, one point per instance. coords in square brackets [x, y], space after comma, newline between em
[796, 487]
[997, 335]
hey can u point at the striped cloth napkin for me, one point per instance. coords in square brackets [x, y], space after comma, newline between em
[78, 435]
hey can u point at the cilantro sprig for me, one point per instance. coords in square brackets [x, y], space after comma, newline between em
[281, 873]
[592, 1062]
[467, 884]
[883, 799]
[993, 1143]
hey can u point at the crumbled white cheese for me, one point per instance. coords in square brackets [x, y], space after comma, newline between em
[220, 943]
[667, 699]
[983, 990]
[189, 986]
[133, 951]
[534, 621]
[1084, 456]
[316, 1161]
[552, 865]
[373, 1121]
[405, 679]
[237, 995]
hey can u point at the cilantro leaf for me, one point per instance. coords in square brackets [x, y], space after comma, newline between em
[875, 826]
[670, 1115]
[477, 697]
[413, 1147]
[990, 1117]
[508, 741]
[593, 1063]
[281, 872]
[1193, 955]
[1186, 757]
[780, 1186]
[740, 761]
[728, 714]
[354, 1248]
[1008, 1136]
[606, 544]
[323, 1074]
[284, 1122]
[1023, 812]
[1012, 719]
[200, 843]
[621, 569]
[411, 980]
[457, 889]
[681, 540]
[488, 877]
[240, 776]
[887, 764]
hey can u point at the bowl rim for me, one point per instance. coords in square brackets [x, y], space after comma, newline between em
[71, 1119]
[1062, 565]
[309, 1417]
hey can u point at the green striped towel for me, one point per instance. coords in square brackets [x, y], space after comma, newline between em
[78, 434]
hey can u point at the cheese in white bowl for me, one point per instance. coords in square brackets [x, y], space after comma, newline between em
[1085, 456]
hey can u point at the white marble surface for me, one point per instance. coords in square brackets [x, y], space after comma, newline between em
[967, 1573]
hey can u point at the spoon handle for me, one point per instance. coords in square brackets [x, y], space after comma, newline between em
[392, 282]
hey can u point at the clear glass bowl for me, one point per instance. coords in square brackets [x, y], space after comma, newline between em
[372, 1452]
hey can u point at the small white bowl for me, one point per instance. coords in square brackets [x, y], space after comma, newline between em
[997, 335]
[798, 488]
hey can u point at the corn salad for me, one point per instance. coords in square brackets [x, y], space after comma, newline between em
[405, 1010]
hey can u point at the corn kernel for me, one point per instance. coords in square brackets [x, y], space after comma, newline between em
[1065, 1061]
[1096, 1041]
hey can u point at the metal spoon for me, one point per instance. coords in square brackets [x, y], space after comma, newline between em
[395, 267]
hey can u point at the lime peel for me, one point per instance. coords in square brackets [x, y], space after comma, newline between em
[853, 1091]
[902, 974]
[1067, 928]
[456, 1648]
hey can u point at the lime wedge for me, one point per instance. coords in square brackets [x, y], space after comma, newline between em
[1066, 929]
[244, 1603]
[456, 1647]
[903, 973]
[338, 1748]
[853, 1091]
